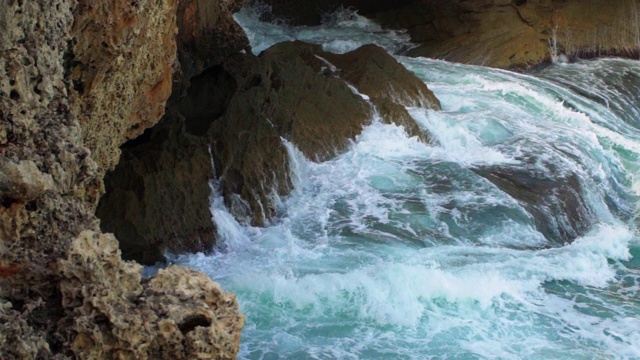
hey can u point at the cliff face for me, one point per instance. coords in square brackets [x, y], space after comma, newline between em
[78, 79]
[497, 33]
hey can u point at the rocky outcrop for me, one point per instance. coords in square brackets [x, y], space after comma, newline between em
[208, 35]
[241, 111]
[389, 85]
[497, 33]
[122, 55]
[78, 79]
[179, 314]
[285, 96]
[517, 33]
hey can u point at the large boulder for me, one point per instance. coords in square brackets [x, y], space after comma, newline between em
[297, 92]
[234, 117]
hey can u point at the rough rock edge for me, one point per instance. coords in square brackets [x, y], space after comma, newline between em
[178, 314]
[52, 308]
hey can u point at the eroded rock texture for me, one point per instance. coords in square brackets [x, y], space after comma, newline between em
[76, 80]
[121, 67]
[178, 314]
[158, 196]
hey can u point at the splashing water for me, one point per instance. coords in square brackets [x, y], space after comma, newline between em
[400, 250]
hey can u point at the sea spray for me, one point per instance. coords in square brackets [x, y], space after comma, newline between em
[397, 249]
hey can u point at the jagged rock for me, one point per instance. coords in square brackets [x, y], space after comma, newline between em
[284, 95]
[389, 85]
[242, 110]
[178, 314]
[157, 198]
[122, 62]
[50, 184]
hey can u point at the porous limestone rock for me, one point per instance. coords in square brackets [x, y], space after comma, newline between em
[123, 53]
[50, 184]
[178, 314]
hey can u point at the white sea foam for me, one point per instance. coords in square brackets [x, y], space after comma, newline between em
[398, 249]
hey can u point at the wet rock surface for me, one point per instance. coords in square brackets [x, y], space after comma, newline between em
[297, 92]
[555, 200]
[241, 111]
[497, 33]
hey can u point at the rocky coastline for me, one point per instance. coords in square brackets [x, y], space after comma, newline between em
[116, 115]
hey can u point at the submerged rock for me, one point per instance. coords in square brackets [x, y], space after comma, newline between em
[555, 200]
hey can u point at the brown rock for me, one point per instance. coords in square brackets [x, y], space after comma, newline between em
[389, 85]
[296, 91]
[179, 314]
[157, 197]
[208, 35]
[49, 184]
[123, 57]
[282, 94]
[516, 33]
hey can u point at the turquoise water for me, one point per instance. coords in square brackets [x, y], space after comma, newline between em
[400, 250]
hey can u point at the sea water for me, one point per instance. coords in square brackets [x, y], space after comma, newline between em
[396, 249]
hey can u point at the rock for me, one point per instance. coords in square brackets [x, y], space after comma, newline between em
[515, 33]
[242, 110]
[73, 77]
[281, 95]
[179, 314]
[208, 36]
[284, 96]
[22, 181]
[389, 85]
[122, 63]
[596, 28]
[157, 197]
[553, 199]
